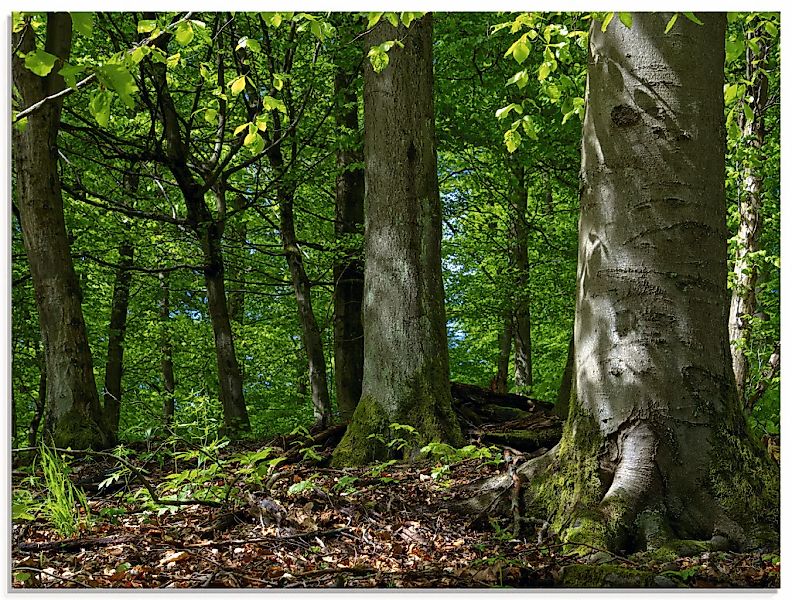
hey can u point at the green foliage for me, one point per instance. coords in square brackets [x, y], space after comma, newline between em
[64, 506]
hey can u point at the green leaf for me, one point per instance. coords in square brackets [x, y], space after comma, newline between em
[544, 70]
[379, 58]
[392, 18]
[251, 44]
[730, 93]
[261, 123]
[99, 106]
[502, 113]
[69, 74]
[173, 60]
[748, 112]
[82, 23]
[210, 116]
[146, 26]
[373, 19]
[693, 18]
[626, 18]
[184, 33]
[771, 28]
[140, 53]
[240, 129]
[273, 19]
[409, 17]
[521, 51]
[317, 30]
[40, 62]
[277, 81]
[237, 85]
[529, 128]
[671, 22]
[512, 139]
[120, 80]
[606, 21]
[271, 103]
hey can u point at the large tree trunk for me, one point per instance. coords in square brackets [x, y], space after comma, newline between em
[166, 352]
[406, 374]
[523, 370]
[115, 343]
[743, 300]
[656, 445]
[74, 413]
[348, 267]
[236, 270]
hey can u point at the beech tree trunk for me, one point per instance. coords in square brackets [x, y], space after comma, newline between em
[406, 373]
[73, 410]
[656, 445]
[523, 369]
[348, 267]
[115, 344]
[743, 300]
[166, 352]
[565, 387]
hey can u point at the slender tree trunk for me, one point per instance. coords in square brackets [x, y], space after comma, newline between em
[40, 402]
[523, 369]
[236, 298]
[311, 335]
[406, 374]
[166, 352]
[501, 382]
[235, 416]
[74, 413]
[743, 300]
[656, 445]
[115, 343]
[348, 267]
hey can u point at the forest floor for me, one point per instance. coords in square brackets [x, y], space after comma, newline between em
[377, 527]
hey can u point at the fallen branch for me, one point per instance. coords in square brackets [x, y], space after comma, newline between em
[75, 544]
[270, 539]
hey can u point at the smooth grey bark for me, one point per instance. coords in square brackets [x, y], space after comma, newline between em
[348, 267]
[406, 373]
[73, 411]
[655, 398]
[501, 382]
[114, 367]
[166, 352]
[743, 300]
[519, 231]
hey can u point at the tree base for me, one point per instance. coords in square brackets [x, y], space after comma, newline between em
[77, 431]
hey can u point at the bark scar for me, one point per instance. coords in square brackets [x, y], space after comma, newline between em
[624, 116]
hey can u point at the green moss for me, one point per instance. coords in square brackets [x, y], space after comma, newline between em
[744, 481]
[78, 431]
[356, 448]
[605, 576]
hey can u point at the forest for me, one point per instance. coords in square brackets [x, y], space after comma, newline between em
[395, 299]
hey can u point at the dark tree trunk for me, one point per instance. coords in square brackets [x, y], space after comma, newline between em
[406, 375]
[235, 416]
[348, 267]
[115, 343]
[501, 382]
[41, 403]
[523, 369]
[166, 352]
[236, 270]
[74, 413]
[311, 335]
[565, 388]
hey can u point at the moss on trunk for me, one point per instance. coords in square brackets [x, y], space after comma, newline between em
[78, 431]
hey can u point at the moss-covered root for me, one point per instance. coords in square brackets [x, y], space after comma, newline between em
[357, 447]
[610, 576]
[78, 431]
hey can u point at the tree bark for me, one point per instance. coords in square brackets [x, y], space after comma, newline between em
[236, 298]
[656, 445]
[565, 388]
[115, 343]
[166, 352]
[743, 300]
[501, 382]
[406, 373]
[73, 410]
[523, 369]
[40, 401]
[348, 267]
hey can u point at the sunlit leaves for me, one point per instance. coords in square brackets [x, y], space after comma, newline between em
[520, 49]
[184, 33]
[671, 22]
[237, 85]
[120, 80]
[210, 116]
[626, 19]
[146, 25]
[69, 74]
[99, 106]
[249, 43]
[40, 62]
[378, 55]
[502, 113]
[520, 78]
[512, 138]
[271, 103]
[273, 19]
[82, 23]
[693, 18]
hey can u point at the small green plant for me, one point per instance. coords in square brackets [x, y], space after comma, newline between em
[346, 484]
[63, 500]
[377, 470]
[303, 486]
[501, 534]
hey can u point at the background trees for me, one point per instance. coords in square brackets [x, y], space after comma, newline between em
[244, 87]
